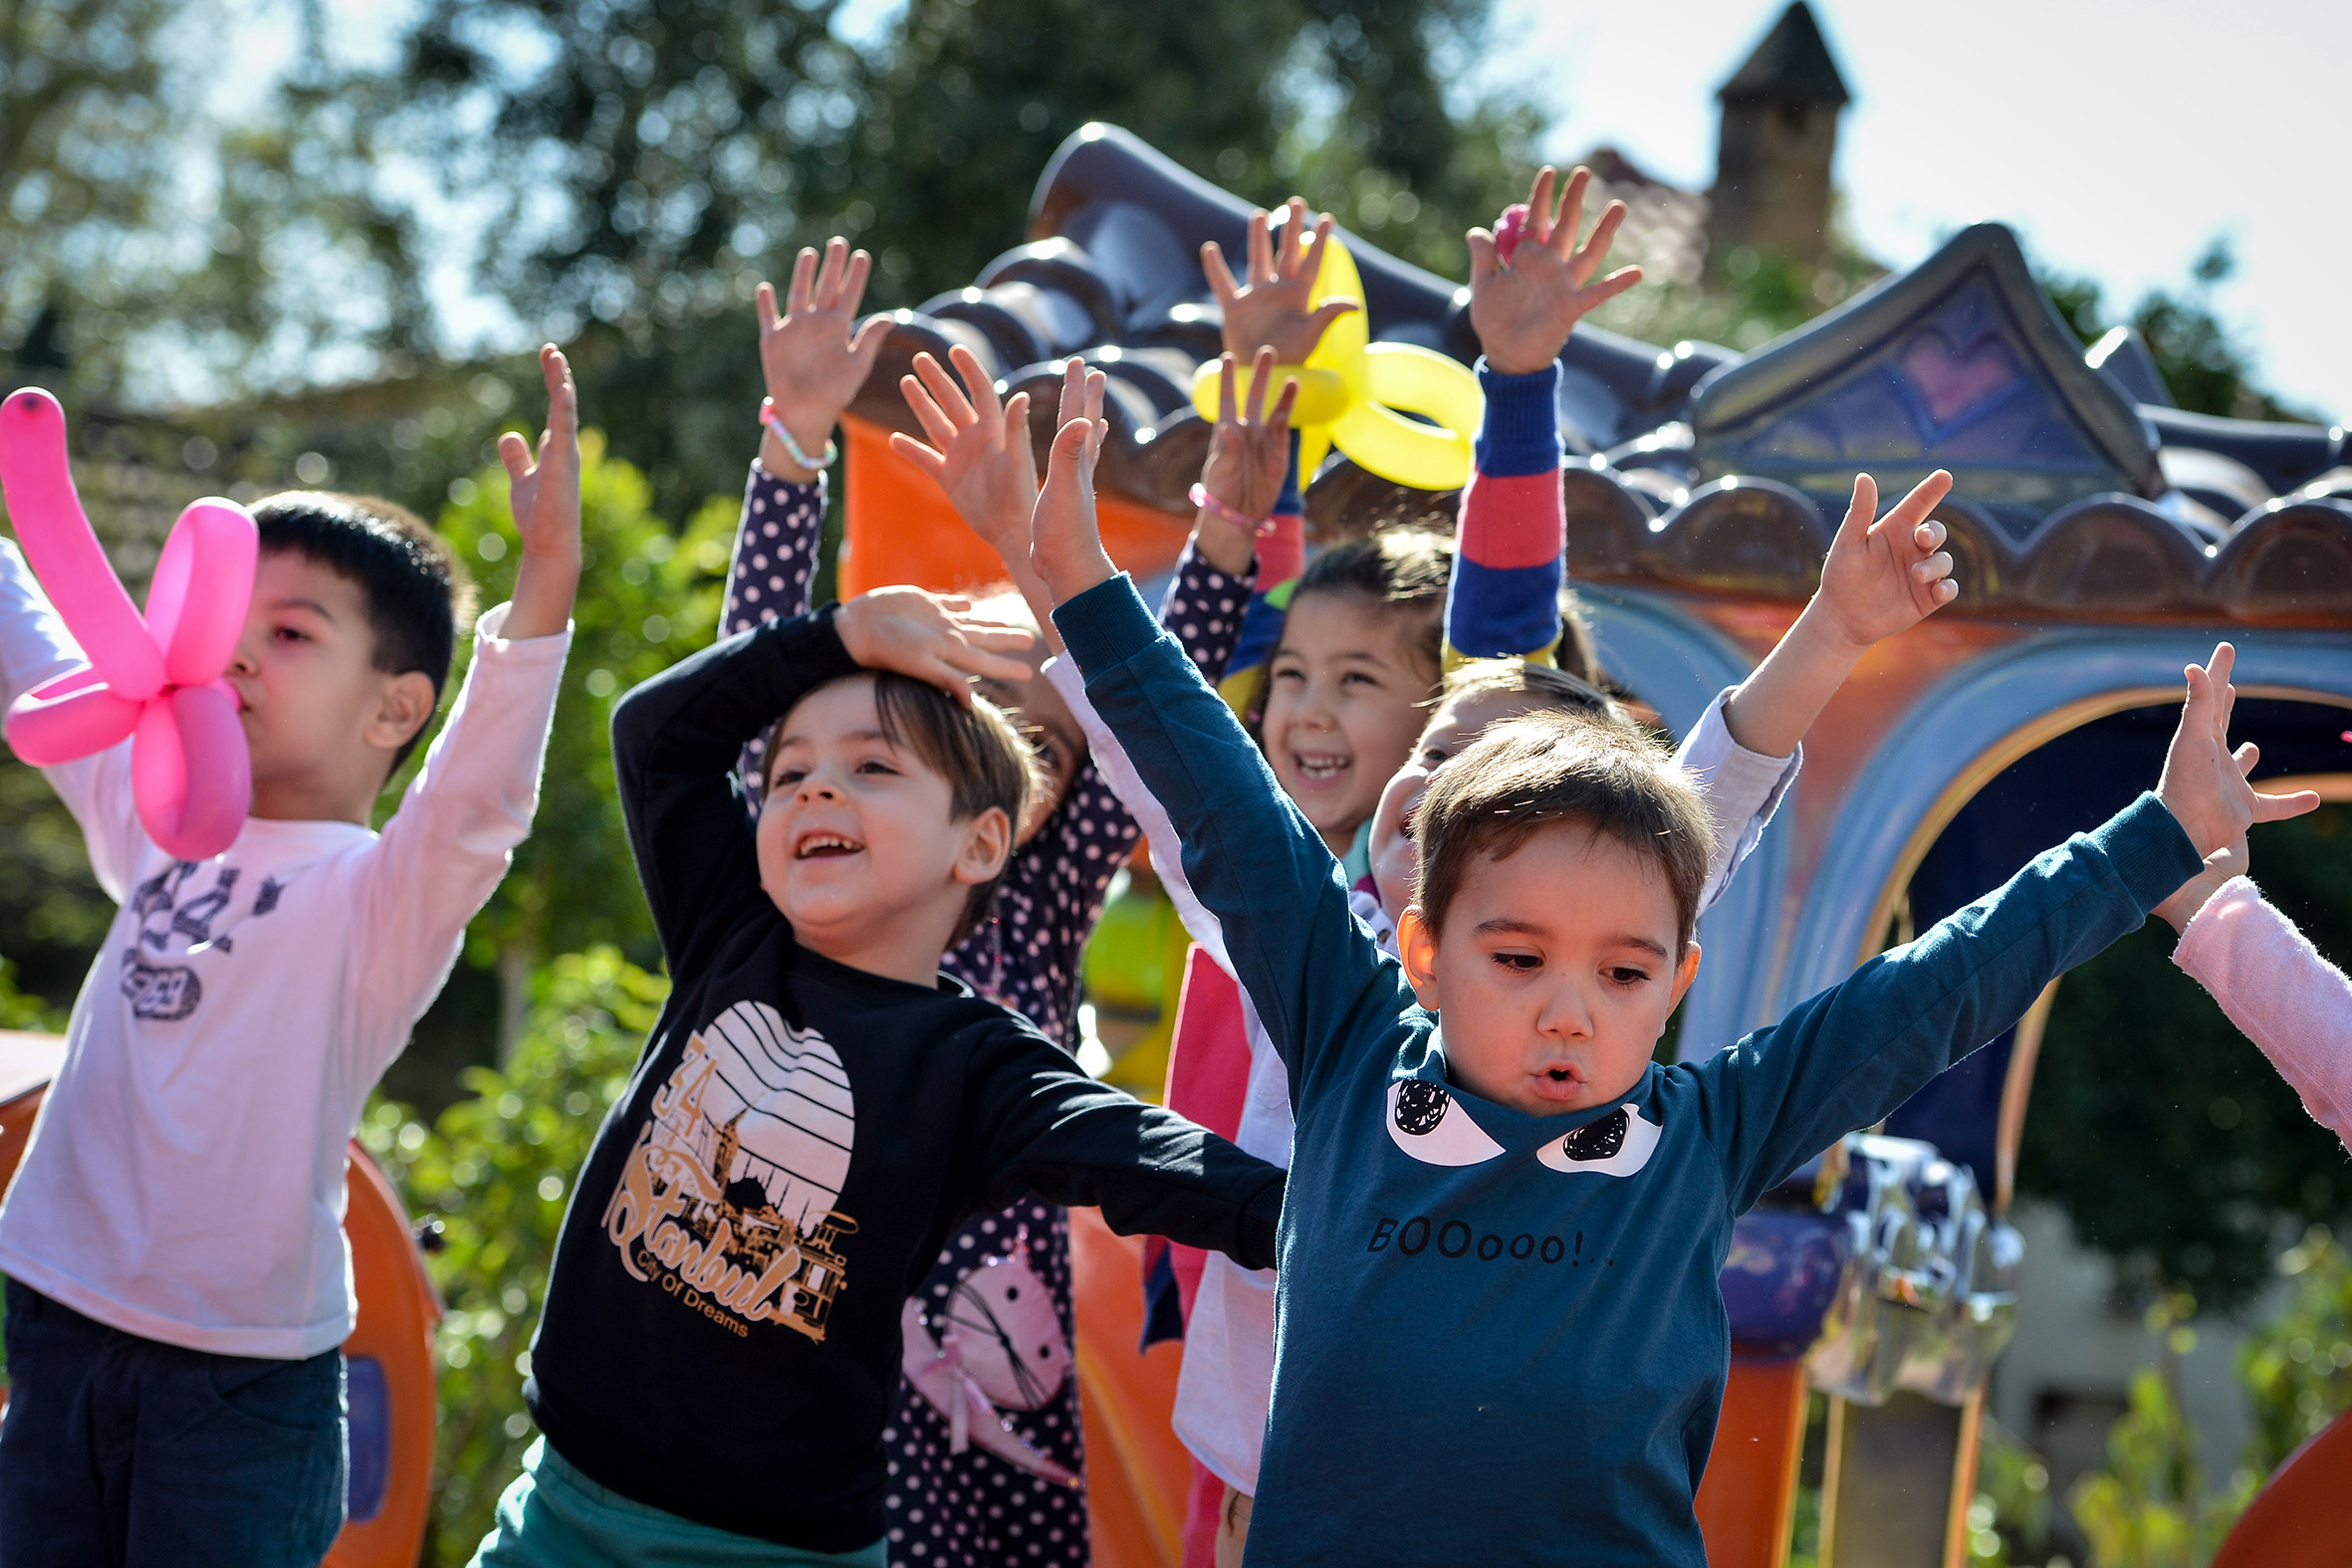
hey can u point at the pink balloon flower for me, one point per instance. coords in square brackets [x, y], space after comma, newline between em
[1509, 230]
[156, 679]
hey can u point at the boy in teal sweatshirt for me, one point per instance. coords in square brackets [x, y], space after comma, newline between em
[1500, 1337]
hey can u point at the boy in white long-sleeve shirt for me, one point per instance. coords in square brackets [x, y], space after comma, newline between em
[177, 1279]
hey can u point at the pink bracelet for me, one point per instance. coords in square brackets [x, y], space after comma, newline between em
[1218, 509]
[775, 422]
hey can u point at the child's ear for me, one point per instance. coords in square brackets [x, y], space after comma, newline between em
[404, 704]
[1683, 972]
[1416, 947]
[988, 843]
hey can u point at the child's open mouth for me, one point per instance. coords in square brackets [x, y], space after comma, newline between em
[825, 846]
[1320, 768]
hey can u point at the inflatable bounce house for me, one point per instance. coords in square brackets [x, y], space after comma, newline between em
[2104, 539]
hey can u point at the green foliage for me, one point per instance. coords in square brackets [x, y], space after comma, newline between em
[2299, 1368]
[494, 1171]
[21, 1011]
[2012, 1507]
[647, 598]
[2205, 366]
[2172, 1143]
[2148, 1510]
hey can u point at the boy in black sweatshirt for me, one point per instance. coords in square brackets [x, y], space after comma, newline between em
[819, 1108]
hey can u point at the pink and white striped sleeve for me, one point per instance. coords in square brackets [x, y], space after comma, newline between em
[2274, 985]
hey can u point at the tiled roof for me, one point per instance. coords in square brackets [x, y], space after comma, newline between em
[2078, 493]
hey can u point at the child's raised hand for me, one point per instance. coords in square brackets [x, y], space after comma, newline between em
[813, 356]
[1270, 309]
[1065, 544]
[1524, 308]
[1250, 451]
[544, 494]
[1886, 575]
[934, 637]
[2204, 784]
[979, 453]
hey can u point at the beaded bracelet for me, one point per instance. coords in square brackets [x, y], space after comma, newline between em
[1218, 509]
[768, 417]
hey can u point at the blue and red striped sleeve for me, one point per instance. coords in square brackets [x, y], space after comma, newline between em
[1503, 601]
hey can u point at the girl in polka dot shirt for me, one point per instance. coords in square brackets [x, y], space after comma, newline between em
[955, 1504]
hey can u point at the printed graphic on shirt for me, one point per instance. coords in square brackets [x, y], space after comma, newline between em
[177, 919]
[1430, 1125]
[1619, 1144]
[726, 1202]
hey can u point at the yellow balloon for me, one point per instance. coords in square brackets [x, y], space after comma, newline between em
[1355, 394]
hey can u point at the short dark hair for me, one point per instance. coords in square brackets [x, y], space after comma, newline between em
[1539, 769]
[977, 750]
[1546, 686]
[1404, 569]
[418, 598]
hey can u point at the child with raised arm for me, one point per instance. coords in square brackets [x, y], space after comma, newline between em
[1501, 601]
[2268, 977]
[819, 1108]
[1501, 1336]
[179, 1281]
[976, 1506]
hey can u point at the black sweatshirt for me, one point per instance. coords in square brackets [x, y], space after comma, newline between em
[721, 1335]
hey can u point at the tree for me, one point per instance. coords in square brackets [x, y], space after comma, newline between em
[648, 596]
[490, 1174]
[2205, 369]
[2172, 1145]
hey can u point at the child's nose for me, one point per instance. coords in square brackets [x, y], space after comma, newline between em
[1566, 1015]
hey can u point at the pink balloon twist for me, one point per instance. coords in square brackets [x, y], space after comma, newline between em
[1509, 230]
[157, 678]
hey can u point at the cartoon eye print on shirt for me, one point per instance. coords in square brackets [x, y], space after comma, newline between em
[1619, 1144]
[1431, 1126]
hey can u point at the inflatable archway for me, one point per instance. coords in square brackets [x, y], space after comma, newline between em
[389, 1357]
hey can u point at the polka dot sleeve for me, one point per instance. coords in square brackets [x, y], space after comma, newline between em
[768, 578]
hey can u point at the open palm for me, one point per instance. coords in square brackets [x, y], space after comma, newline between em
[1885, 575]
[1524, 308]
[1272, 307]
[814, 355]
[980, 451]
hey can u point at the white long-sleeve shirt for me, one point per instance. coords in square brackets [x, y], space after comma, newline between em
[1226, 1383]
[185, 1178]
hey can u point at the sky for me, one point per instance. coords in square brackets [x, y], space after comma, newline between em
[2118, 139]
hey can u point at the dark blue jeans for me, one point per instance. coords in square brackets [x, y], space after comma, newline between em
[121, 1451]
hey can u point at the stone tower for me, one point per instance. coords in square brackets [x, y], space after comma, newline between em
[1779, 134]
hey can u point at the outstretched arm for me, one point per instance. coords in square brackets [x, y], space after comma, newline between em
[1258, 866]
[1882, 576]
[1850, 1056]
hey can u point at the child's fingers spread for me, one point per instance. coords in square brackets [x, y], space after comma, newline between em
[795, 299]
[2278, 807]
[1227, 372]
[1485, 261]
[1863, 510]
[829, 275]
[1928, 535]
[763, 303]
[1935, 568]
[983, 392]
[1277, 419]
[515, 453]
[2246, 757]
[1221, 285]
[915, 452]
[1261, 374]
[944, 390]
[1260, 257]
[935, 423]
[1588, 255]
[1923, 498]
[867, 346]
[1539, 205]
[1609, 288]
[2223, 664]
[860, 268]
[1571, 213]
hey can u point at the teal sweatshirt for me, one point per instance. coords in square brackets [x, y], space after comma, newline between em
[1500, 1338]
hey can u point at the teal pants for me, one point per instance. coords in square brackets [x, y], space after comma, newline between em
[553, 1517]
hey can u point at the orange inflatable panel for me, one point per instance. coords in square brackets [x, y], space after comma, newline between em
[2299, 1518]
[389, 1357]
[1138, 1476]
[899, 528]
